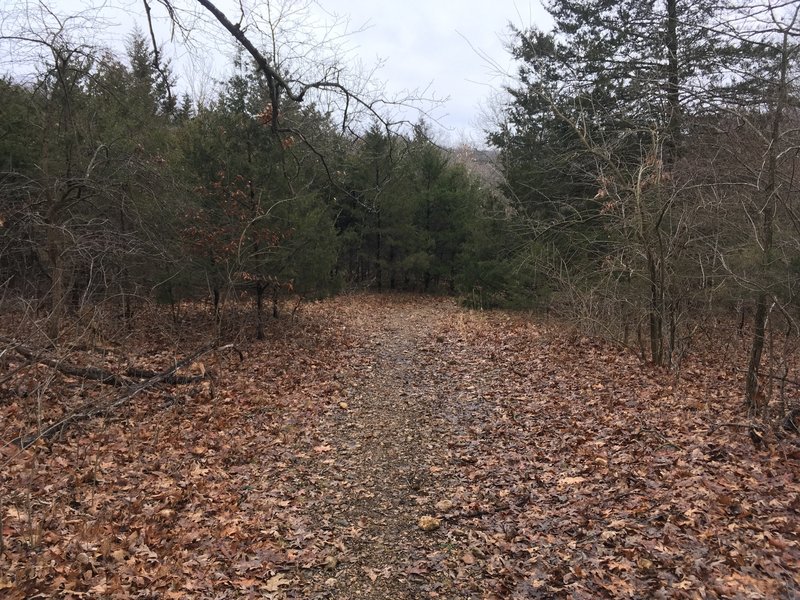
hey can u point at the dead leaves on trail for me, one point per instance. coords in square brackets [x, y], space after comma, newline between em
[562, 468]
[592, 475]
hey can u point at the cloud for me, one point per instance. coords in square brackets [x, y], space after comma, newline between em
[456, 47]
[449, 49]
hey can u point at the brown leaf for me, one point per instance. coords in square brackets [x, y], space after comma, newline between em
[275, 582]
[428, 523]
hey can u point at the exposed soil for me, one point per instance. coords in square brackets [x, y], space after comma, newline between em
[399, 447]
[391, 446]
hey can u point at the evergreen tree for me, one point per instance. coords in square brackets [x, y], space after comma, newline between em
[262, 222]
[593, 144]
[92, 181]
[369, 174]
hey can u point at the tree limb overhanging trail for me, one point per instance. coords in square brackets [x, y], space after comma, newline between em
[277, 83]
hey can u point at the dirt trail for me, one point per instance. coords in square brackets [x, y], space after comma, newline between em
[559, 467]
[390, 446]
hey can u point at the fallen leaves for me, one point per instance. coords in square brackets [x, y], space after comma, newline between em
[275, 582]
[548, 466]
[444, 505]
[175, 496]
[429, 523]
[371, 573]
[570, 481]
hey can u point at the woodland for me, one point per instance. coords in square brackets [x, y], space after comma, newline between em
[276, 340]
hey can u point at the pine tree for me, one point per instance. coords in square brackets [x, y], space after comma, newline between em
[595, 138]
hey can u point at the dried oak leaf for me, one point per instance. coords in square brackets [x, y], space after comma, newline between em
[428, 523]
[275, 582]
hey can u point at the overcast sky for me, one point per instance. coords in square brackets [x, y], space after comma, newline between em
[454, 49]
[454, 46]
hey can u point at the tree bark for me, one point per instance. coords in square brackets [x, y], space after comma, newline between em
[59, 282]
[260, 288]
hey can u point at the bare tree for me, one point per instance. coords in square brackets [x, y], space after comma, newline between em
[771, 127]
[82, 205]
[302, 53]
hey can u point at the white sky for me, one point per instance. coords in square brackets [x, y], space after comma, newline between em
[456, 47]
[452, 49]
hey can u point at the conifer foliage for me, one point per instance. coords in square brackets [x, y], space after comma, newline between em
[648, 144]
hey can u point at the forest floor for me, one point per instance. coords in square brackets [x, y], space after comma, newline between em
[392, 448]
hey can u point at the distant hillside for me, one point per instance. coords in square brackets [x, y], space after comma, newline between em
[480, 162]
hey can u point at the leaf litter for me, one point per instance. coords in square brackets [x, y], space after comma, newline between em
[401, 447]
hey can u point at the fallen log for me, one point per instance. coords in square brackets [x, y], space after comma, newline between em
[92, 409]
[133, 375]
[93, 373]
[173, 380]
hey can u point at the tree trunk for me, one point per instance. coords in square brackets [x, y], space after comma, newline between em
[378, 270]
[126, 299]
[769, 211]
[392, 274]
[260, 288]
[59, 282]
[655, 314]
[673, 86]
[756, 350]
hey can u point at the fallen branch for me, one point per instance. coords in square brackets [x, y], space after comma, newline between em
[93, 373]
[716, 426]
[513, 506]
[91, 409]
[792, 420]
[13, 372]
[667, 442]
[755, 431]
[173, 380]
[771, 376]
[132, 374]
